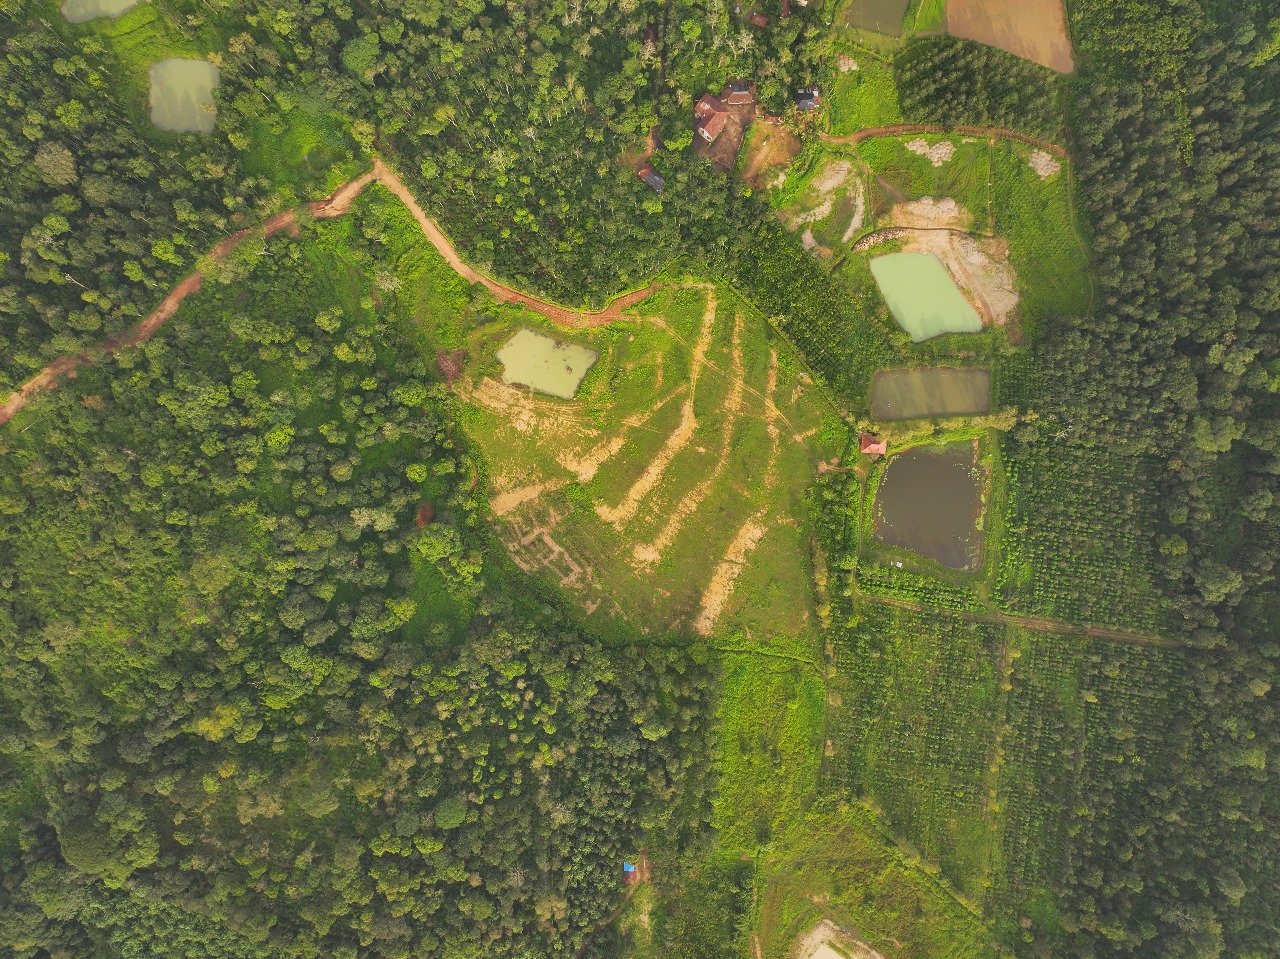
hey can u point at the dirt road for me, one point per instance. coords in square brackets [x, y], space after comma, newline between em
[1026, 622]
[336, 205]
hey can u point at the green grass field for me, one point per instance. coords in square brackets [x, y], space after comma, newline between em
[865, 97]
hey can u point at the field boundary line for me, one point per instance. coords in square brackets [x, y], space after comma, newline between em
[1033, 623]
[902, 129]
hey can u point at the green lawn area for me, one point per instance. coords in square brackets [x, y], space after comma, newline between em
[865, 97]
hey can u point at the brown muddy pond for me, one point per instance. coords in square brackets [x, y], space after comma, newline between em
[929, 502]
[931, 391]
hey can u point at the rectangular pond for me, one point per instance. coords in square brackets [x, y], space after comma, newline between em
[930, 391]
[922, 296]
[882, 16]
[182, 95]
[82, 11]
[929, 501]
[547, 365]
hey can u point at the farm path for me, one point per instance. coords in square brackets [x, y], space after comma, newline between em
[902, 129]
[335, 205]
[1027, 622]
[649, 553]
[619, 515]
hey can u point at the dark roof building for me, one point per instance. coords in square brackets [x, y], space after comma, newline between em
[738, 91]
[651, 178]
[808, 98]
[709, 117]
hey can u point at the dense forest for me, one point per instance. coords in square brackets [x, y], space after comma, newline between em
[278, 694]
[1178, 364]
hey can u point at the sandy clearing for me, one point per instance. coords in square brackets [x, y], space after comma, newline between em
[929, 213]
[938, 153]
[1035, 30]
[727, 571]
[506, 502]
[648, 553]
[980, 269]
[1044, 165]
[678, 440]
[818, 942]
[859, 212]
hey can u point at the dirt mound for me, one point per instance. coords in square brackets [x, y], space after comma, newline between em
[1044, 165]
[938, 153]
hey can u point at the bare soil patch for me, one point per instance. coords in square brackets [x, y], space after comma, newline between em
[647, 553]
[820, 942]
[769, 148]
[678, 440]
[1044, 165]
[938, 153]
[727, 572]
[1035, 30]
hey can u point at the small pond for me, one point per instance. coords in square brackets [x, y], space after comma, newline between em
[548, 365]
[922, 296]
[82, 11]
[182, 95]
[929, 501]
[931, 391]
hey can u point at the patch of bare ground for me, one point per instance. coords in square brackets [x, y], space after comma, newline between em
[619, 515]
[648, 553]
[508, 500]
[586, 465]
[527, 412]
[836, 187]
[1043, 164]
[723, 153]
[979, 266]
[532, 547]
[821, 941]
[937, 153]
[727, 572]
[1035, 30]
[770, 148]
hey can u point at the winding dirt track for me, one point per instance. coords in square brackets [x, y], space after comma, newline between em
[902, 129]
[336, 205]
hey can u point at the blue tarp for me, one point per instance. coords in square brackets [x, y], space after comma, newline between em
[627, 867]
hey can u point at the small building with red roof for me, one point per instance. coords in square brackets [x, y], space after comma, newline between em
[759, 20]
[871, 445]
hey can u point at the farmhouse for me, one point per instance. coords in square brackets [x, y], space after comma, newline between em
[709, 117]
[651, 178]
[808, 98]
[738, 92]
[871, 445]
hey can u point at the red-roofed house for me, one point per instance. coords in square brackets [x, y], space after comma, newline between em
[759, 20]
[709, 117]
[869, 445]
[786, 9]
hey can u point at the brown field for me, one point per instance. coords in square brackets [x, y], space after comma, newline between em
[1033, 29]
[770, 149]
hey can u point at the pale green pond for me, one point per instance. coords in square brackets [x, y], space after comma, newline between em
[82, 11]
[182, 95]
[547, 365]
[931, 391]
[922, 296]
